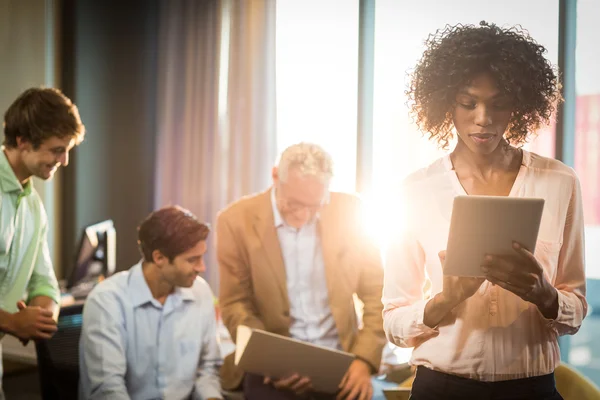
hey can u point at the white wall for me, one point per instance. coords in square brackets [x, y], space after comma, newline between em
[588, 55]
[27, 58]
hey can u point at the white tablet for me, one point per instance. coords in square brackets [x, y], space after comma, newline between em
[483, 225]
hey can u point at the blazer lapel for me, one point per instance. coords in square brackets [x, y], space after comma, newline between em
[338, 292]
[330, 252]
[264, 226]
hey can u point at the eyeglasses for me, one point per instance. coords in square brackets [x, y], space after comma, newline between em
[295, 205]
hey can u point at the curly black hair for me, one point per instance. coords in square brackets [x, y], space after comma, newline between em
[457, 54]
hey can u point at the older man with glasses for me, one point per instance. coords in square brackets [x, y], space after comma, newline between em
[291, 260]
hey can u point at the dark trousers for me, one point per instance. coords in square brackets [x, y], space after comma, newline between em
[434, 385]
[255, 389]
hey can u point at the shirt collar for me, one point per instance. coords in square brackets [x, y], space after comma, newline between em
[8, 179]
[276, 214]
[140, 292]
[186, 294]
[526, 161]
[278, 219]
[138, 287]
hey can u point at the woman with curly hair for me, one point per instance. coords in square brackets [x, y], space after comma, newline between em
[494, 337]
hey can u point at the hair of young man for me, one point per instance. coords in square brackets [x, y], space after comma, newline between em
[172, 230]
[39, 114]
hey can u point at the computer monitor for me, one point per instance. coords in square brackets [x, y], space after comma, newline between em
[96, 254]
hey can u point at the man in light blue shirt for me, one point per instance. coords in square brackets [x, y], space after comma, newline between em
[150, 332]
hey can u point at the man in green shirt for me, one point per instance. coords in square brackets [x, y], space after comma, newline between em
[40, 128]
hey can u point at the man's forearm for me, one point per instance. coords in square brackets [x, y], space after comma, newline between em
[5, 321]
[208, 387]
[46, 303]
[113, 394]
[237, 314]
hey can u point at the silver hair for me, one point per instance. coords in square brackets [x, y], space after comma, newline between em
[310, 159]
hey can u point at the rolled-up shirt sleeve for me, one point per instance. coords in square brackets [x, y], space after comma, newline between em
[43, 280]
[404, 298]
[570, 276]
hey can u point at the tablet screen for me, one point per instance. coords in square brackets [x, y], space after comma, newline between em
[482, 225]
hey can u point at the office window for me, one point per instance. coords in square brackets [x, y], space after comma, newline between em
[584, 351]
[317, 77]
[587, 121]
[400, 31]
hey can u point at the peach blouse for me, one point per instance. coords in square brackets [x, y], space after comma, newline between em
[494, 335]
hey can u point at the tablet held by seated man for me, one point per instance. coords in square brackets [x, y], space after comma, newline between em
[150, 332]
[278, 357]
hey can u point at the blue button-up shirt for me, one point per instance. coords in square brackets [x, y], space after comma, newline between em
[133, 347]
[312, 320]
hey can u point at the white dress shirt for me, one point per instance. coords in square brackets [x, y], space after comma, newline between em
[312, 320]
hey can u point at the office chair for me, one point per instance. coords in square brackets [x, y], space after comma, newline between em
[58, 358]
[573, 385]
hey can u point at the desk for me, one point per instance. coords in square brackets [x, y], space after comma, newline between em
[13, 349]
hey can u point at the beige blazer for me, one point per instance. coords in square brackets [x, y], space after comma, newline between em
[253, 289]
